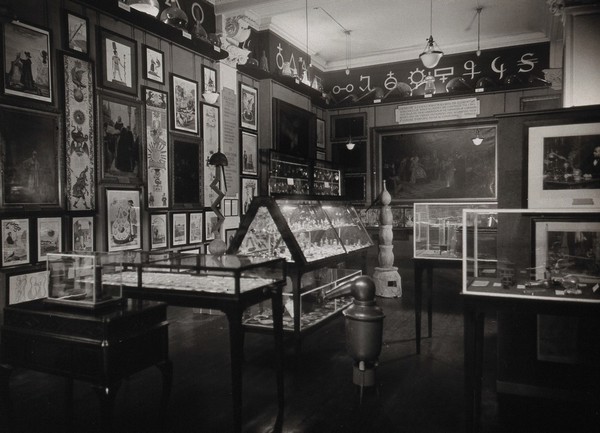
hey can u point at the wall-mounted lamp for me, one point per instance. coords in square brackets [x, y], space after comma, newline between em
[150, 7]
[350, 144]
[477, 140]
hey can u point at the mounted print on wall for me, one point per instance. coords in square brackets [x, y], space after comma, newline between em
[157, 155]
[184, 105]
[158, 230]
[153, 64]
[117, 60]
[29, 145]
[82, 234]
[15, 242]
[179, 225]
[248, 107]
[196, 227]
[209, 82]
[123, 219]
[49, 237]
[28, 60]
[80, 147]
[249, 153]
[249, 191]
[76, 32]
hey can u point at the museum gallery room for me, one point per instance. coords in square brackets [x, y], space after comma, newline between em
[309, 216]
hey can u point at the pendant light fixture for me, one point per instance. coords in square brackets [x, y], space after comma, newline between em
[432, 53]
[348, 41]
[477, 140]
[350, 144]
[479, 9]
[150, 7]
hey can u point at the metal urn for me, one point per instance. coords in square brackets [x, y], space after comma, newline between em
[364, 328]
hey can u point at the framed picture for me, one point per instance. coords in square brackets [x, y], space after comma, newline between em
[27, 61]
[210, 222]
[121, 122]
[344, 126]
[320, 134]
[123, 219]
[249, 191]
[179, 227]
[158, 230]
[209, 80]
[321, 155]
[184, 104]
[196, 227]
[31, 158]
[186, 173]
[82, 233]
[293, 129]
[249, 153]
[15, 242]
[49, 237]
[157, 155]
[23, 285]
[568, 245]
[153, 62]
[438, 163]
[117, 60]
[76, 32]
[229, 234]
[564, 166]
[211, 145]
[248, 107]
[80, 153]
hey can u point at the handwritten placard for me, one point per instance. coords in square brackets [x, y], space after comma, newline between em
[437, 111]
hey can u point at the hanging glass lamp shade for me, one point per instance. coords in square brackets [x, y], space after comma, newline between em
[174, 16]
[150, 7]
[431, 55]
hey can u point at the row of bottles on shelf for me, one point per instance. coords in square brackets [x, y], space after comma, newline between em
[293, 178]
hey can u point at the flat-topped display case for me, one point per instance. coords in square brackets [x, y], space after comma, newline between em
[437, 229]
[319, 239]
[542, 254]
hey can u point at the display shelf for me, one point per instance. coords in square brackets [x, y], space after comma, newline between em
[327, 181]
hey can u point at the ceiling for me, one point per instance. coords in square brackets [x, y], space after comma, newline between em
[383, 31]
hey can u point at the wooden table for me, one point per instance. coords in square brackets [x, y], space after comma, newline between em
[100, 347]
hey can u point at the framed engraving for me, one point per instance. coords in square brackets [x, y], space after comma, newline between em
[15, 242]
[179, 227]
[76, 32]
[196, 227]
[153, 62]
[248, 107]
[123, 219]
[157, 155]
[158, 230]
[184, 104]
[49, 237]
[82, 234]
[249, 153]
[117, 60]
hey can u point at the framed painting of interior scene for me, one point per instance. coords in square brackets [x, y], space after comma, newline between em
[29, 144]
[564, 166]
[439, 164]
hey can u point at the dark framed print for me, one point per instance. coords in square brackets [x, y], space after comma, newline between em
[293, 129]
[210, 222]
[564, 166]
[15, 242]
[121, 122]
[28, 60]
[248, 107]
[249, 153]
[320, 134]
[31, 158]
[159, 230]
[438, 163]
[82, 233]
[153, 62]
[209, 81]
[344, 126]
[229, 234]
[76, 32]
[117, 60]
[196, 227]
[80, 153]
[123, 219]
[49, 237]
[211, 145]
[249, 191]
[321, 155]
[184, 104]
[186, 174]
[25, 284]
[179, 227]
[157, 155]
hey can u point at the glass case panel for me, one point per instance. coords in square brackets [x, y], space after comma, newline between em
[326, 181]
[437, 228]
[263, 238]
[348, 225]
[288, 176]
[77, 279]
[545, 254]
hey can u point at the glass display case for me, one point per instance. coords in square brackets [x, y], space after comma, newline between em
[326, 180]
[288, 175]
[78, 279]
[319, 239]
[545, 254]
[437, 229]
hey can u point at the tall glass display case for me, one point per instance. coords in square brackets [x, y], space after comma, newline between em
[326, 179]
[319, 239]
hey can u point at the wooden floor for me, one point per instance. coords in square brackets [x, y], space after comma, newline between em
[415, 393]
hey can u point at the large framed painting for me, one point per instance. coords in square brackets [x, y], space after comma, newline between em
[153, 64]
[49, 237]
[76, 32]
[157, 155]
[117, 60]
[179, 225]
[438, 164]
[196, 227]
[82, 233]
[293, 129]
[158, 230]
[121, 122]
[123, 219]
[564, 166]
[28, 60]
[211, 145]
[249, 153]
[31, 158]
[345, 126]
[248, 107]
[249, 191]
[80, 187]
[186, 173]
[15, 242]
[184, 104]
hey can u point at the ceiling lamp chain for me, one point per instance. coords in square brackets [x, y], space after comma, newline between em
[432, 53]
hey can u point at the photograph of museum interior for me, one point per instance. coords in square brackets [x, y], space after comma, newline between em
[300, 216]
